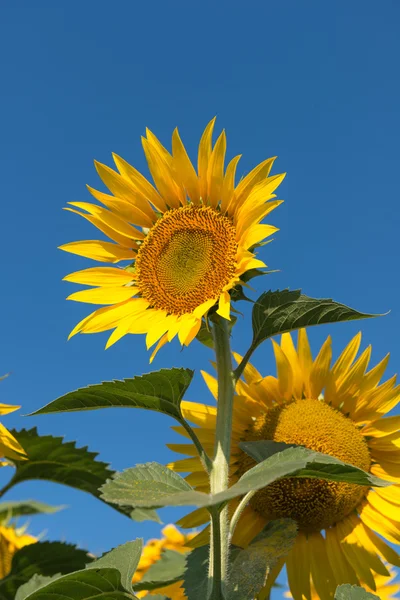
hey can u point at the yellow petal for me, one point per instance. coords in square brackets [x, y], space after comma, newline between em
[284, 372]
[373, 377]
[298, 568]
[127, 210]
[9, 446]
[224, 306]
[258, 174]
[321, 571]
[111, 220]
[140, 183]
[198, 517]
[104, 228]
[388, 553]
[344, 361]
[201, 310]
[256, 234]
[215, 174]
[5, 409]
[250, 373]
[193, 332]
[320, 369]
[353, 553]
[99, 250]
[254, 216]
[305, 359]
[199, 414]
[106, 295]
[205, 148]
[341, 568]
[157, 330]
[291, 354]
[249, 525]
[160, 344]
[229, 183]
[380, 524]
[382, 427]
[184, 169]
[109, 317]
[101, 276]
[173, 195]
[211, 382]
[120, 186]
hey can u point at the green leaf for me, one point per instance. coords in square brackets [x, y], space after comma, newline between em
[251, 566]
[353, 592]
[196, 575]
[161, 391]
[282, 311]
[84, 585]
[52, 459]
[167, 570]
[292, 462]
[143, 486]
[144, 514]
[124, 558]
[19, 508]
[35, 583]
[41, 558]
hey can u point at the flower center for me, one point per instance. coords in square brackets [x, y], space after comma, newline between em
[314, 503]
[187, 258]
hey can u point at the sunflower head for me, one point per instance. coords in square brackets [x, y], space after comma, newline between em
[188, 241]
[337, 408]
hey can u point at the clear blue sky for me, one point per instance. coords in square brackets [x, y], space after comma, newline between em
[315, 83]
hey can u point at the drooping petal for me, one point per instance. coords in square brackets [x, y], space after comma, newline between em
[101, 276]
[99, 250]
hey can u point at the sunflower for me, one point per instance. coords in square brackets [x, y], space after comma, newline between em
[386, 588]
[11, 540]
[188, 241]
[172, 539]
[9, 447]
[339, 524]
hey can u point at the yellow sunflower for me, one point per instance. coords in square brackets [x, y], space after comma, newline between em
[339, 523]
[9, 447]
[386, 587]
[188, 240]
[172, 539]
[11, 540]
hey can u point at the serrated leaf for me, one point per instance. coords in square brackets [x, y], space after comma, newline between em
[34, 584]
[251, 566]
[84, 585]
[144, 514]
[286, 310]
[124, 558]
[41, 558]
[353, 592]
[19, 508]
[292, 462]
[161, 391]
[143, 486]
[168, 569]
[53, 459]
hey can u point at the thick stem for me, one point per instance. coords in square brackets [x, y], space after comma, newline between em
[219, 478]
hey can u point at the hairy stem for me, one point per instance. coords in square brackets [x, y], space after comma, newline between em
[238, 512]
[219, 478]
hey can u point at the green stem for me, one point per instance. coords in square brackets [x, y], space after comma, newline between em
[238, 512]
[219, 478]
[215, 562]
[241, 366]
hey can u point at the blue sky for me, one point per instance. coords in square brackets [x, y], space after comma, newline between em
[314, 83]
